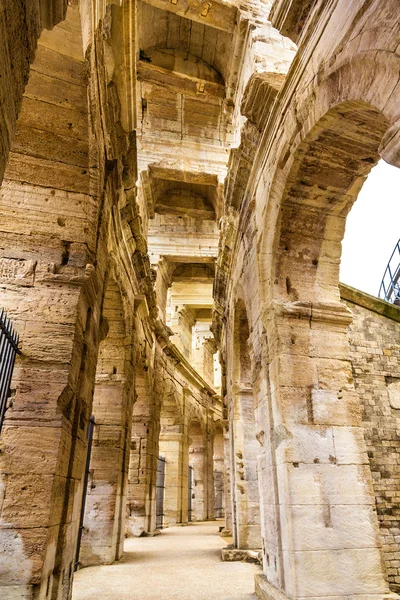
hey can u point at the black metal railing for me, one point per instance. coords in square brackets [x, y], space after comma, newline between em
[390, 286]
[190, 493]
[8, 351]
[218, 494]
[160, 490]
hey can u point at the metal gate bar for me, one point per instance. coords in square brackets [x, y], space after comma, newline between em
[190, 493]
[160, 488]
[218, 490]
[8, 351]
[390, 286]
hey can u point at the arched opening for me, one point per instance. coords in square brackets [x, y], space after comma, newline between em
[174, 448]
[141, 497]
[244, 445]
[316, 411]
[104, 517]
[372, 230]
[328, 172]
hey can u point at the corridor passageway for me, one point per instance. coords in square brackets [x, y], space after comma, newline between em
[181, 563]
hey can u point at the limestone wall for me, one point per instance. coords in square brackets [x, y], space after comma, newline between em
[374, 337]
[20, 27]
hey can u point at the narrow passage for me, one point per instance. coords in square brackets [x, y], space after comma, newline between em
[181, 563]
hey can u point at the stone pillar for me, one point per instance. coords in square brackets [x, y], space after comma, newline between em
[141, 500]
[163, 281]
[210, 495]
[219, 474]
[174, 448]
[244, 484]
[202, 358]
[103, 535]
[43, 443]
[317, 463]
[208, 362]
[227, 531]
[198, 460]
[49, 237]
[182, 321]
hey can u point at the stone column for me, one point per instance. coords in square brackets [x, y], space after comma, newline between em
[244, 484]
[103, 535]
[227, 531]
[210, 494]
[202, 355]
[198, 459]
[219, 474]
[316, 462]
[141, 499]
[174, 448]
[43, 443]
[182, 321]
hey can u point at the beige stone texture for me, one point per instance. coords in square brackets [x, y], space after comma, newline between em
[175, 181]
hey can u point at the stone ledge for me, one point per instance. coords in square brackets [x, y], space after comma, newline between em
[386, 309]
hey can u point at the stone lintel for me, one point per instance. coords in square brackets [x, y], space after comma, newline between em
[198, 177]
[174, 436]
[241, 390]
[183, 83]
[111, 379]
[212, 14]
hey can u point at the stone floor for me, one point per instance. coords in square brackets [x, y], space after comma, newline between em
[181, 563]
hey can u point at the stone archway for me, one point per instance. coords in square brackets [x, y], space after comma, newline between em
[104, 531]
[315, 410]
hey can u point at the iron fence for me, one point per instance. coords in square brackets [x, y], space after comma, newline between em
[390, 286]
[218, 494]
[160, 491]
[8, 351]
[190, 493]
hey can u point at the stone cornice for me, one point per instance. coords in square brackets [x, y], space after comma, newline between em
[187, 370]
[381, 307]
[335, 313]
[182, 82]
[290, 17]
[212, 14]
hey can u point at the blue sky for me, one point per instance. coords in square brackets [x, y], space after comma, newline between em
[372, 230]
